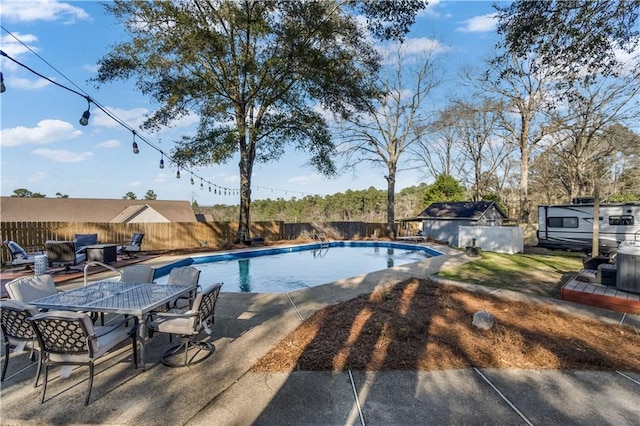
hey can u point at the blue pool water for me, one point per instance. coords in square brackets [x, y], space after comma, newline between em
[284, 269]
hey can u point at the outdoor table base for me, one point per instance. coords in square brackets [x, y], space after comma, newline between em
[133, 299]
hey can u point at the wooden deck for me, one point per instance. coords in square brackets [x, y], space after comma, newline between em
[60, 277]
[601, 296]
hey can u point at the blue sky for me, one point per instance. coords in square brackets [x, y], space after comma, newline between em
[44, 149]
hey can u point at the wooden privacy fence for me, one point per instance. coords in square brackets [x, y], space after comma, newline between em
[157, 236]
[176, 235]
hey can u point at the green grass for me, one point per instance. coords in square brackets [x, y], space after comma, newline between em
[540, 274]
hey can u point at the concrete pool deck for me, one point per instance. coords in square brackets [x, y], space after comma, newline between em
[221, 390]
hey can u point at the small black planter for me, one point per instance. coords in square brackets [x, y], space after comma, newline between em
[473, 251]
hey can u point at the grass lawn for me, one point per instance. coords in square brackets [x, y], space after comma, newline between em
[541, 274]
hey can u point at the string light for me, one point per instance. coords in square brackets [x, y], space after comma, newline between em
[135, 145]
[84, 120]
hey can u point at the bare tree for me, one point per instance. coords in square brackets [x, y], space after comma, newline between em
[525, 87]
[585, 146]
[392, 123]
[438, 149]
[476, 127]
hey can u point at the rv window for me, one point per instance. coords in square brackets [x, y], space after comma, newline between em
[562, 222]
[626, 219]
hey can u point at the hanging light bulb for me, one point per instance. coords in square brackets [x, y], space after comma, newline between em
[201, 184]
[209, 188]
[192, 182]
[3, 88]
[134, 145]
[178, 174]
[162, 161]
[85, 115]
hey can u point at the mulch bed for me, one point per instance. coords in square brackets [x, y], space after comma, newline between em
[421, 325]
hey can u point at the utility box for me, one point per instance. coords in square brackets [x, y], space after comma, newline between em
[628, 266]
[607, 274]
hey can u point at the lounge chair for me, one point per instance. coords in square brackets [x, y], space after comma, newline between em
[64, 253]
[131, 247]
[20, 256]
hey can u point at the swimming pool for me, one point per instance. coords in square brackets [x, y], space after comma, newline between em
[290, 268]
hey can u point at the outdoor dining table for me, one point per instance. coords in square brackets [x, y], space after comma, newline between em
[133, 299]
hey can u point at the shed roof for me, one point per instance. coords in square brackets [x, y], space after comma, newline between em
[471, 210]
[19, 209]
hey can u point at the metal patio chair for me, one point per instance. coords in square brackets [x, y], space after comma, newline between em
[69, 338]
[17, 331]
[188, 324]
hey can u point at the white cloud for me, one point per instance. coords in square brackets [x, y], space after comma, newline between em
[304, 180]
[62, 155]
[430, 10]
[163, 177]
[111, 143]
[412, 46]
[13, 48]
[47, 131]
[480, 24]
[47, 10]
[133, 117]
[135, 183]
[38, 177]
[23, 83]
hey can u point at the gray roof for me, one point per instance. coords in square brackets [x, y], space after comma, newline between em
[472, 210]
[18, 209]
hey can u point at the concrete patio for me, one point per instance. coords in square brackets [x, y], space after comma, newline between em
[220, 390]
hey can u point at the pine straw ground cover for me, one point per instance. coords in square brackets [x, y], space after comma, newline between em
[421, 325]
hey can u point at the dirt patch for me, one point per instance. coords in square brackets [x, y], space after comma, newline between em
[420, 325]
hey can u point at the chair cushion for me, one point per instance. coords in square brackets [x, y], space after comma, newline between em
[17, 251]
[83, 240]
[31, 287]
[178, 325]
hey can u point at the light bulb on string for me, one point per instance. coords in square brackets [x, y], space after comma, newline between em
[209, 188]
[85, 115]
[3, 88]
[178, 173]
[201, 184]
[192, 182]
[162, 160]
[134, 145]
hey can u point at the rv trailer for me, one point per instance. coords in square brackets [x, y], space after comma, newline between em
[570, 226]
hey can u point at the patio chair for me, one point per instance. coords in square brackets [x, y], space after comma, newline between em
[69, 338]
[17, 332]
[31, 287]
[64, 253]
[20, 256]
[137, 274]
[185, 275]
[131, 247]
[188, 324]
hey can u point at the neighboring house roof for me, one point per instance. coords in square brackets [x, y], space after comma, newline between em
[139, 213]
[470, 210]
[19, 209]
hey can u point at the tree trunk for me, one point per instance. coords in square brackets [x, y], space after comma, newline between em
[247, 154]
[525, 209]
[391, 197]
